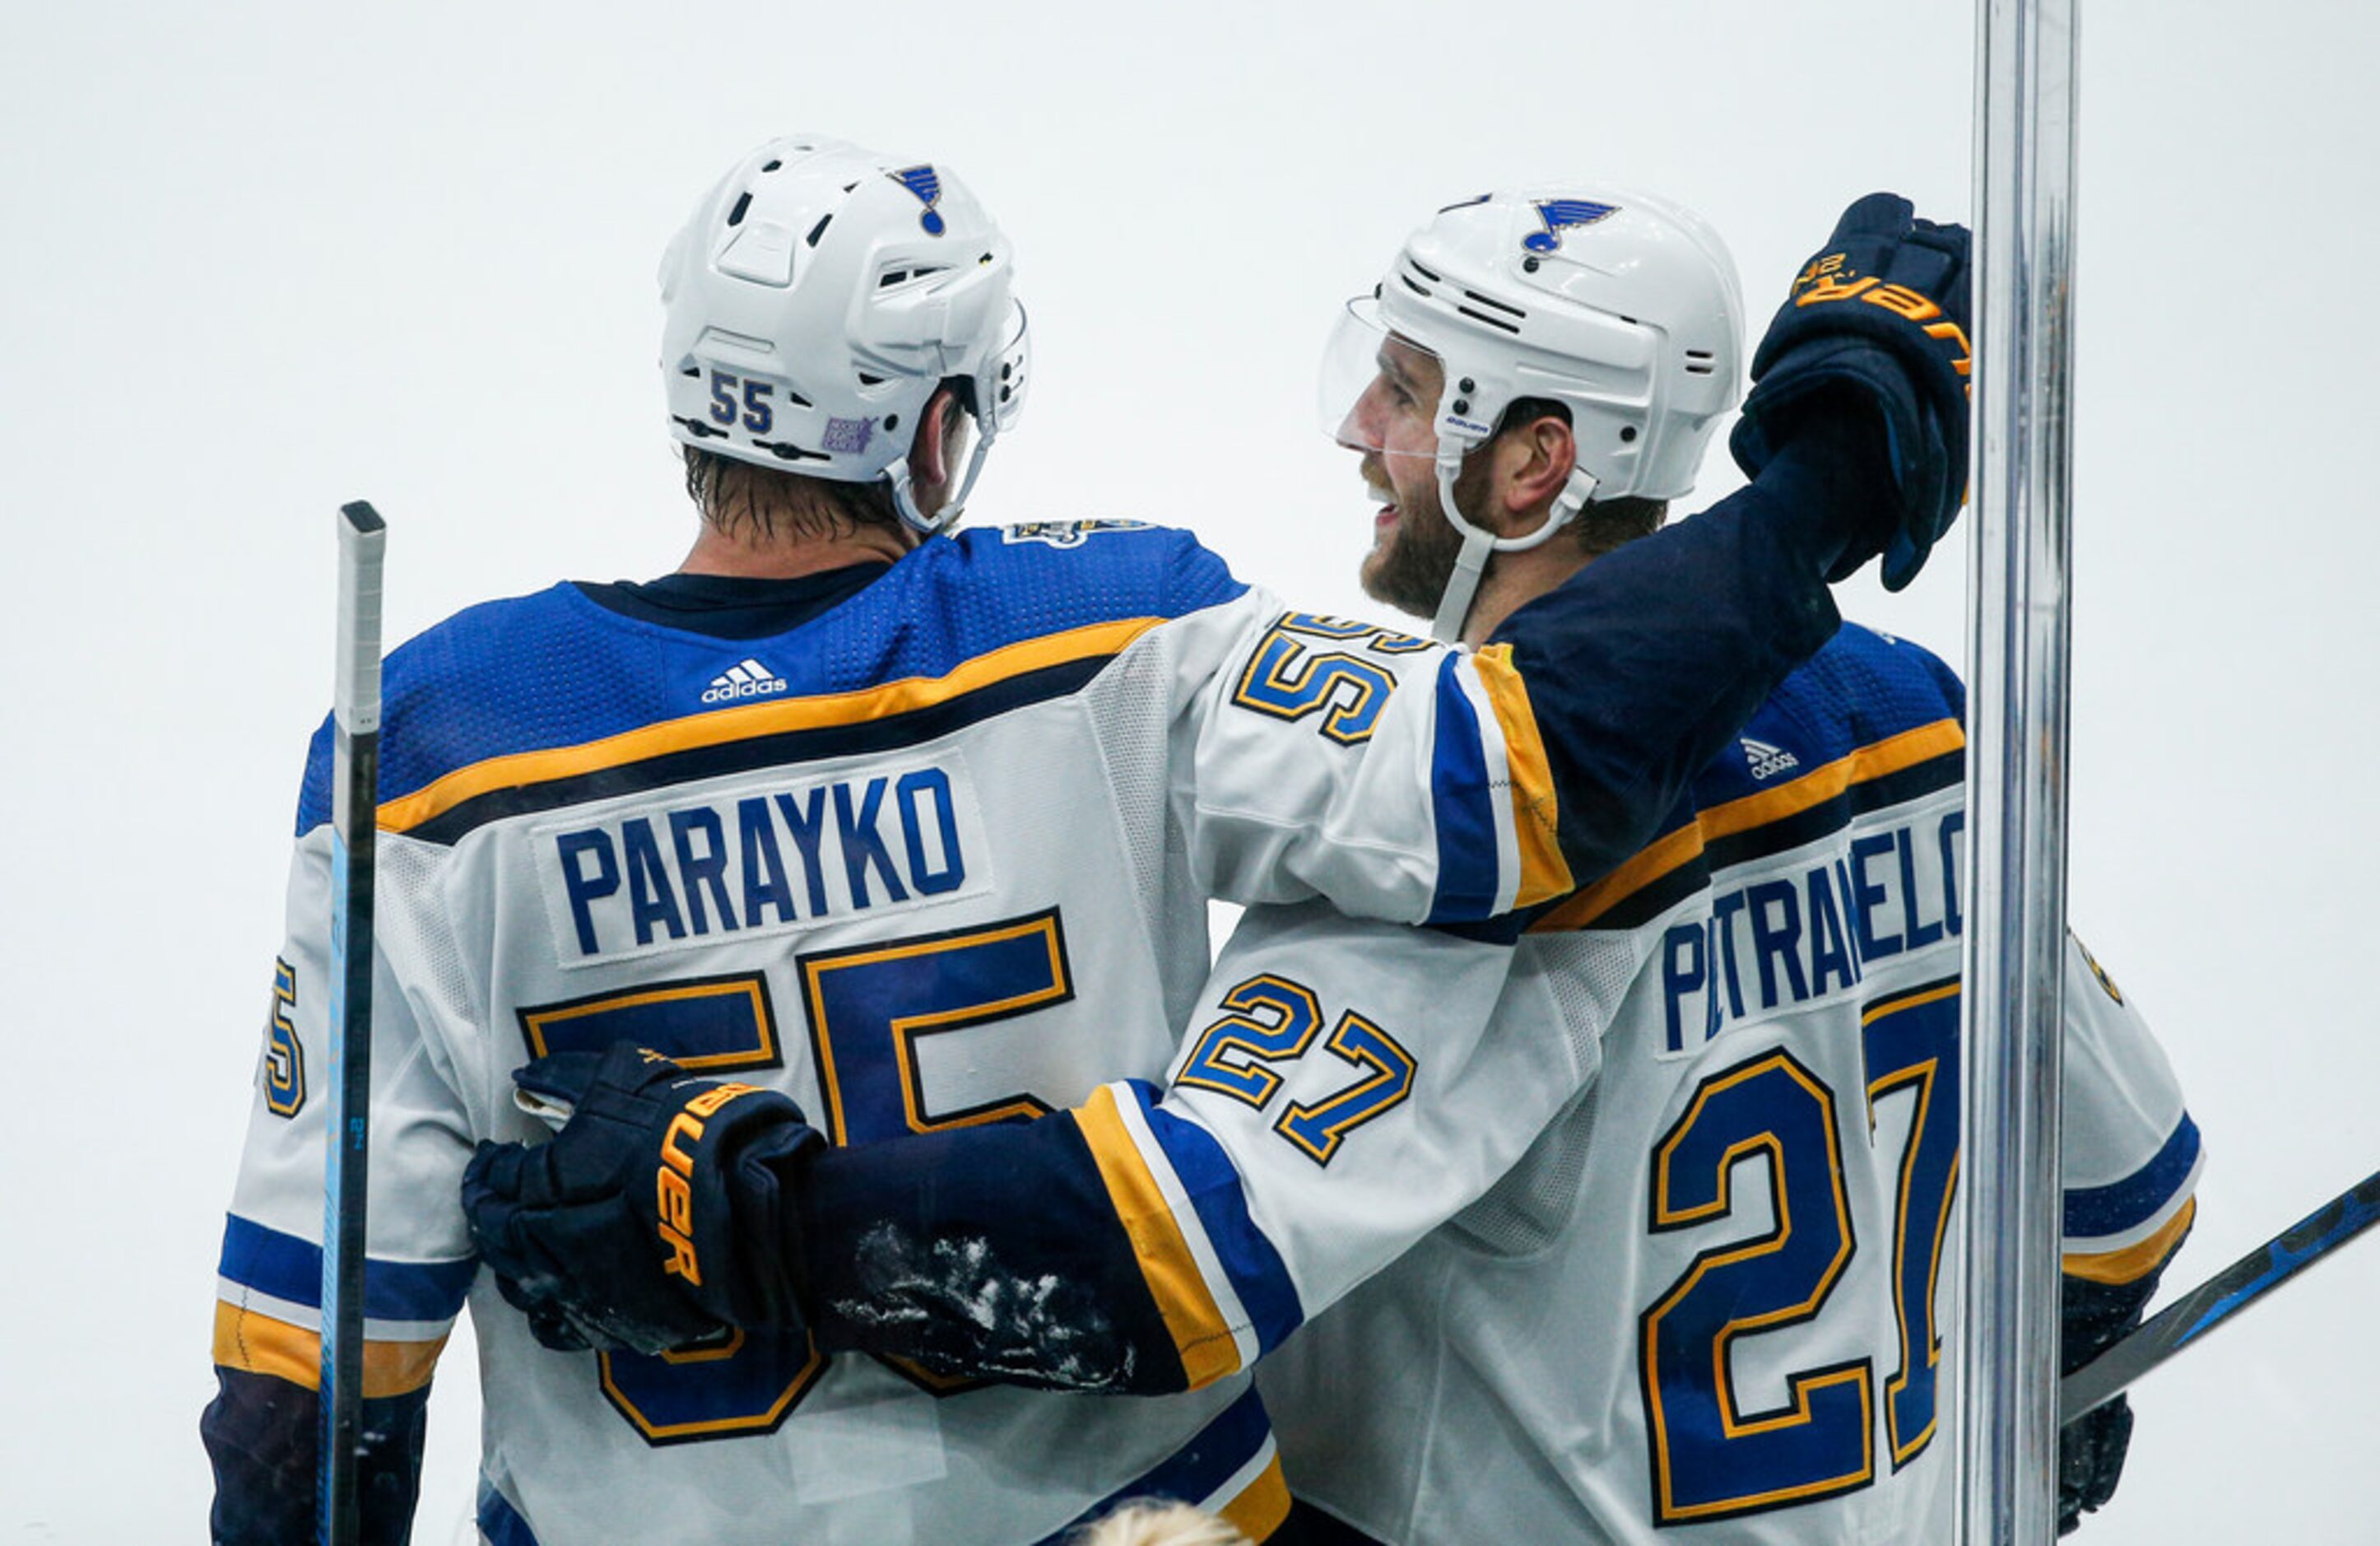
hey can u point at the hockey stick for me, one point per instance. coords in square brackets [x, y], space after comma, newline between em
[2220, 1298]
[355, 799]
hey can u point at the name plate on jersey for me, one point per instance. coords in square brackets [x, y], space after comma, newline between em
[1794, 932]
[760, 858]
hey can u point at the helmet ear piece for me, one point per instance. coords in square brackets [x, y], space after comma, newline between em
[817, 299]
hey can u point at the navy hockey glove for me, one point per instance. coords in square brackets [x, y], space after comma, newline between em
[656, 1217]
[2090, 1461]
[1881, 313]
[2091, 1449]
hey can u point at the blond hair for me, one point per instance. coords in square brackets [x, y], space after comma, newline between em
[1154, 1523]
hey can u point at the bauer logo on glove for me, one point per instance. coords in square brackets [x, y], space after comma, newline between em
[653, 1219]
[1827, 279]
[673, 1179]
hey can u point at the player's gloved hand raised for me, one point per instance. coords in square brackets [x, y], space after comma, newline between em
[656, 1217]
[1877, 320]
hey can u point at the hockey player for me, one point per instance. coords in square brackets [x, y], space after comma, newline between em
[1712, 1294]
[1625, 1335]
[917, 828]
[1130, 1255]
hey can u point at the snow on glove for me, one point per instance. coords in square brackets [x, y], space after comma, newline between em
[655, 1217]
[1881, 313]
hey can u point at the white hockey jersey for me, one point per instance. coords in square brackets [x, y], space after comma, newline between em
[1712, 1300]
[934, 859]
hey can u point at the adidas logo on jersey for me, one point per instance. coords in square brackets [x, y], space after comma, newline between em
[1767, 761]
[749, 678]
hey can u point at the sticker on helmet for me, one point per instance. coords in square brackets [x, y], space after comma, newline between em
[848, 436]
[927, 185]
[1559, 215]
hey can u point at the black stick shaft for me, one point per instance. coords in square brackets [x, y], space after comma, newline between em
[2221, 1298]
[355, 802]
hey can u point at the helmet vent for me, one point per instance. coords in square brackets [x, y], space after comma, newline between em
[1423, 272]
[1700, 362]
[1492, 302]
[735, 216]
[902, 276]
[1513, 328]
[772, 165]
[786, 451]
[818, 230]
[867, 380]
[1411, 285]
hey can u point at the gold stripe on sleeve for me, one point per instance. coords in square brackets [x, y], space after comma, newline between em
[261, 1344]
[1260, 1506]
[1545, 874]
[2137, 1260]
[1206, 1344]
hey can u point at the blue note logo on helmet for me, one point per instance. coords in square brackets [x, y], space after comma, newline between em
[1561, 214]
[921, 181]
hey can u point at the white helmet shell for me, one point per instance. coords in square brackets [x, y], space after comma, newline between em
[1622, 307]
[816, 299]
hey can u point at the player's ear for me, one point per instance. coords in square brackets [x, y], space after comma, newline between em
[1532, 463]
[941, 443]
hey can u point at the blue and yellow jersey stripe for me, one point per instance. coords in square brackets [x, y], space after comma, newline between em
[1472, 861]
[1869, 722]
[1535, 812]
[2127, 1229]
[251, 1341]
[1897, 768]
[727, 740]
[2137, 1260]
[529, 702]
[1232, 1469]
[1224, 1294]
[1497, 818]
[268, 1314]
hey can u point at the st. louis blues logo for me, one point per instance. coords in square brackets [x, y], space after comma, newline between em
[1559, 215]
[927, 185]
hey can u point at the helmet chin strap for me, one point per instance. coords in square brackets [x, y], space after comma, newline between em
[904, 501]
[1471, 559]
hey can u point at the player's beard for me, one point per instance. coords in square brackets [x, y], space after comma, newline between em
[1411, 570]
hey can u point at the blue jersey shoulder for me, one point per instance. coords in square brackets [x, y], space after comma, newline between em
[504, 675]
[554, 669]
[1104, 569]
[1863, 688]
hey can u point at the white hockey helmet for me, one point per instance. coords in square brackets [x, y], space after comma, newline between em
[816, 299]
[1622, 306]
